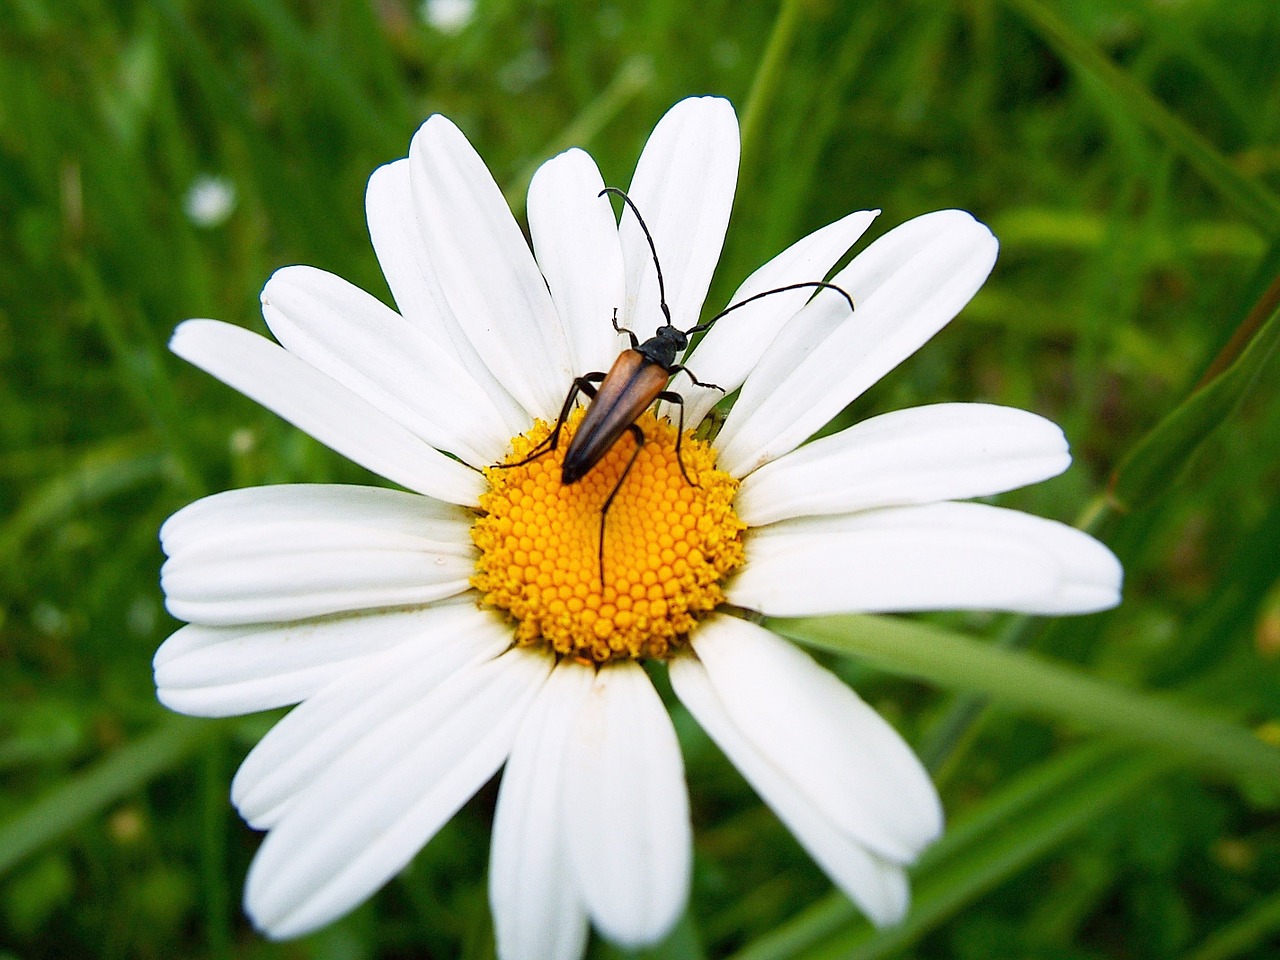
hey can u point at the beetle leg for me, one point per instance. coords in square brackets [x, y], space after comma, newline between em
[604, 511]
[672, 397]
[680, 367]
[582, 384]
[635, 344]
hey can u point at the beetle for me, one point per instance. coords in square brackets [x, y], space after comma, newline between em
[638, 378]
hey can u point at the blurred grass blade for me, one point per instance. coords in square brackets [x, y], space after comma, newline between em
[632, 78]
[104, 472]
[1243, 934]
[1261, 296]
[143, 368]
[81, 796]
[1010, 830]
[326, 69]
[1048, 689]
[1157, 457]
[940, 894]
[963, 880]
[1251, 198]
[764, 86]
[1033, 788]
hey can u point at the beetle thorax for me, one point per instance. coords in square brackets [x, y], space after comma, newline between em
[663, 346]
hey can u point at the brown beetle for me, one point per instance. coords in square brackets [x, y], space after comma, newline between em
[638, 378]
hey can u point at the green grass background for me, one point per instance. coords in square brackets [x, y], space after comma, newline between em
[1108, 779]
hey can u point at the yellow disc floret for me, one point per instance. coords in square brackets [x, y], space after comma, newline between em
[667, 544]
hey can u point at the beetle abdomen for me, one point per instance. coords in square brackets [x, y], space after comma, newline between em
[633, 382]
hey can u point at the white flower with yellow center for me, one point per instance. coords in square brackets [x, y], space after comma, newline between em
[433, 634]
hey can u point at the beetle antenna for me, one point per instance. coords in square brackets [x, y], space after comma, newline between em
[662, 288]
[818, 284]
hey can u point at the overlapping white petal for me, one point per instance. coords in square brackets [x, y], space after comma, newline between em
[388, 792]
[291, 552]
[735, 345]
[537, 911]
[941, 556]
[624, 793]
[399, 242]
[832, 748]
[947, 451]
[226, 671]
[876, 884]
[486, 269]
[324, 408]
[575, 239]
[683, 186]
[311, 738]
[372, 351]
[907, 285]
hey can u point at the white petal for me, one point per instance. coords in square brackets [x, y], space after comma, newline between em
[240, 512]
[401, 250]
[537, 911]
[313, 736]
[324, 408]
[372, 351]
[735, 344]
[833, 748]
[907, 286]
[877, 885]
[296, 551]
[387, 794]
[948, 451]
[225, 671]
[683, 187]
[575, 239]
[943, 556]
[486, 270]
[626, 800]
[398, 240]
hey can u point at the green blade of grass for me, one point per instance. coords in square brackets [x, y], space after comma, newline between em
[1025, 820]
[828, 917]
[1243, 933]
[943, 892]
[326, 71]
[1252, 199]
[1048, 689]
[633, 77]
[106, 471]
[81, 796]
[764, 86]
[1161, 453]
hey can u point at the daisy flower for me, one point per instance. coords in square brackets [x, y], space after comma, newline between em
[431, 634]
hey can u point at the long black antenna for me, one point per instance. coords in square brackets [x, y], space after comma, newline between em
[819, 284]
[662, 287]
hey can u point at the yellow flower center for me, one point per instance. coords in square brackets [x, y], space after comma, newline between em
[667, 544]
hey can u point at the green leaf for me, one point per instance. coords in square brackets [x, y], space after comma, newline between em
[1010, 830]
[942, 893]
[1158, 456]
[1049, 689]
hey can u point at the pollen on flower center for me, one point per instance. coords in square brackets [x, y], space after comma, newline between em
[667, 544]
